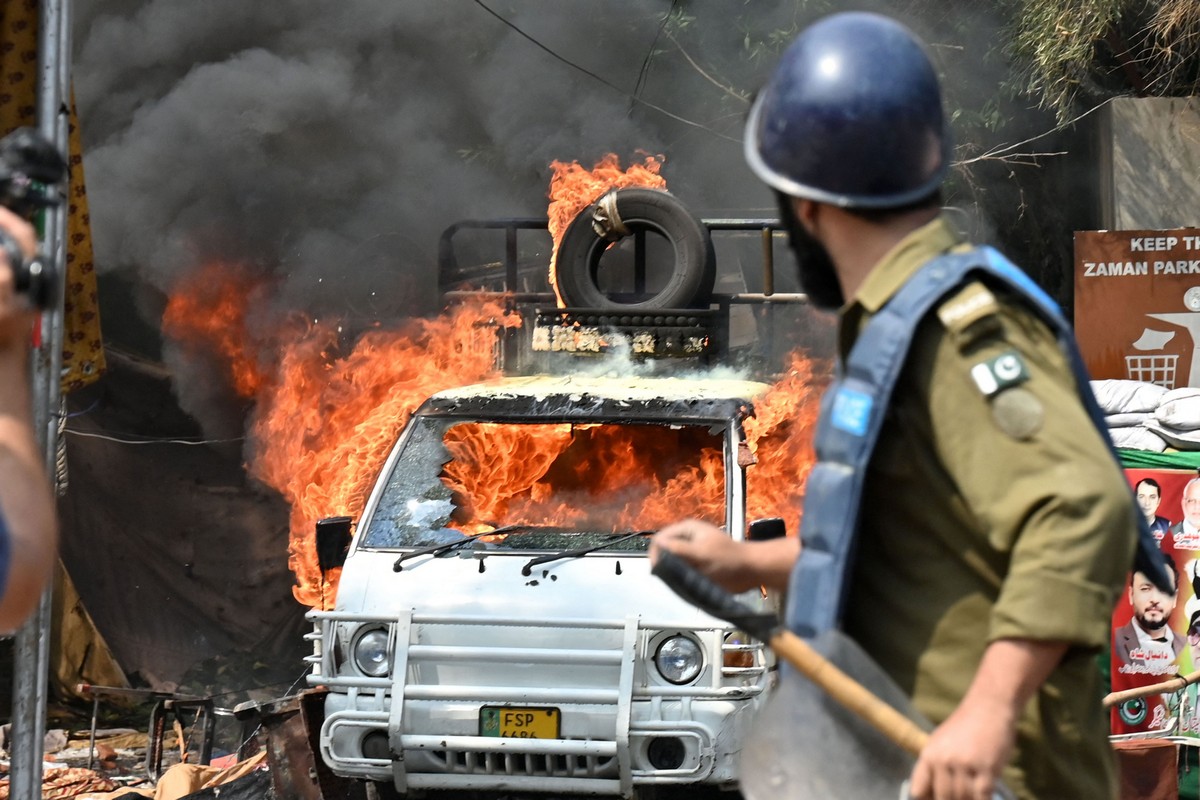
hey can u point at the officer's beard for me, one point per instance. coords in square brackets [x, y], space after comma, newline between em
[818, 278]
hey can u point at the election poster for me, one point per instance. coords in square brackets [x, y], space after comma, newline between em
[1156, 634]
[1137, 305]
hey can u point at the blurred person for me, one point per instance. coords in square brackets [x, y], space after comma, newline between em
[28, 524]
[964, 478]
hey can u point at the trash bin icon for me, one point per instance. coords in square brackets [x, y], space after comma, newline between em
[1157, 369]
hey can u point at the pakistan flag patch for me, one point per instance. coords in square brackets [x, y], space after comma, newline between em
[1001, 372]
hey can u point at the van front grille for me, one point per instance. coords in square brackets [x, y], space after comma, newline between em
[470, 762]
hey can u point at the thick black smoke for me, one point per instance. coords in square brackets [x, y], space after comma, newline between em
[327, 145]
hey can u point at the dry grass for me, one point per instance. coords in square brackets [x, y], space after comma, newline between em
[1102, 48]
[1056, 42]
[1174, 47]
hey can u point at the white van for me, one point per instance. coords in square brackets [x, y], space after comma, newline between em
[540, 657]
[497, 630]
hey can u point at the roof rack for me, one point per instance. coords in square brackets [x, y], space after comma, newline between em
[550, 333]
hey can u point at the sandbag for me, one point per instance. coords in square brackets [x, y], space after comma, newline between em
[1139, 437]
[1123, 397]
[1180, 440]
[1126, 420]
[1179, 409]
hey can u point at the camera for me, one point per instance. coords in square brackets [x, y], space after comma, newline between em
[31, 169]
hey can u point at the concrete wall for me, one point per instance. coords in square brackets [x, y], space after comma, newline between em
[1150, 163]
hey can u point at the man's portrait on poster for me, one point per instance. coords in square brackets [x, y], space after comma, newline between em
[1186, 533]
[1146, 644]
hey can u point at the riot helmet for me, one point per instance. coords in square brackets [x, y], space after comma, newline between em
[852, 116]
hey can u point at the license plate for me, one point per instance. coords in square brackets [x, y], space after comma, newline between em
[519, 722]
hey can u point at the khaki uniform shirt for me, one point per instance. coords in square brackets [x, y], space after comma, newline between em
[989, 517]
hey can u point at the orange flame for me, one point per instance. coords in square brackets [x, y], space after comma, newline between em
[323, 421]
[211, 307]
[573, 188]
[325, 418]
[602, 476]
[327, 425]
[631, 476]
[326, 414]
[781, 436]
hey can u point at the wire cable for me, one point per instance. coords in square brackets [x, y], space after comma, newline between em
[645, 70]
[119, 440]
[615, 88]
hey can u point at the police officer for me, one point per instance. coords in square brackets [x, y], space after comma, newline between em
[991, 527]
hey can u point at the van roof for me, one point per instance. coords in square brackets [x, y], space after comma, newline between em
[583, 397]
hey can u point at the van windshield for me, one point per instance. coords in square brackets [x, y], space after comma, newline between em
[569, 484]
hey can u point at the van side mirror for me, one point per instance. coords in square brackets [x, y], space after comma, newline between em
[769, 528]
[333, 542]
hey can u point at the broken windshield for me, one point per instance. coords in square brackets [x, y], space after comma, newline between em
[574, 484]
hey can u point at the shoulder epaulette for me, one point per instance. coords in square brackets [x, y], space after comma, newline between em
[970, 313]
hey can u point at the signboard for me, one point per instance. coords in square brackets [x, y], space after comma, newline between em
[1156, 635]
[1137, 305]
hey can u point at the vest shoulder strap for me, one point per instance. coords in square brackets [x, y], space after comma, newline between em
[853, 412]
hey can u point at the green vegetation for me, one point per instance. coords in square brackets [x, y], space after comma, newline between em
[1073, 51]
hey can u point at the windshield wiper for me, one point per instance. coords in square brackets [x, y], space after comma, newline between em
[445, 547]
[583, 551]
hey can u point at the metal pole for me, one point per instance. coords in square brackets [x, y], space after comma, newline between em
[32, 651]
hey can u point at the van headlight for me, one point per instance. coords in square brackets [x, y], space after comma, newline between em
[679, 659]
[371, 654]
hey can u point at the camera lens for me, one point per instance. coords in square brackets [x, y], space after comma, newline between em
[35, 279]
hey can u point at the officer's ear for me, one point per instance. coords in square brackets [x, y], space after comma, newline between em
[807, 213]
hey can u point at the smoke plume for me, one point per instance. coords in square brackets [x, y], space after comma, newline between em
[327, 145]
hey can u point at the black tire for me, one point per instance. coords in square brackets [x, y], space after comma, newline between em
[653, 210]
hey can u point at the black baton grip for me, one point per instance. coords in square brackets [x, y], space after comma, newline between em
[693, 586]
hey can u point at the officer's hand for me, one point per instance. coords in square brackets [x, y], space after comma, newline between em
[965, 754]
[707, 548]
[16, 313]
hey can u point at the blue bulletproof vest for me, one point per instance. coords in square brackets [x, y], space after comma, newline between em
[852, 414]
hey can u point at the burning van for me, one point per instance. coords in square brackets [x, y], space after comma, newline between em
[496, 628]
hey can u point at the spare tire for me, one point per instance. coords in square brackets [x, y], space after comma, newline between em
[691, 282]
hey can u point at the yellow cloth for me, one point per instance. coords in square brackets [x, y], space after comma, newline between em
[184, 779]
[79, 653]
[83, 352]
[67, 782]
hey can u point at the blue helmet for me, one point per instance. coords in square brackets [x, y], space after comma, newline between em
[852, 116]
